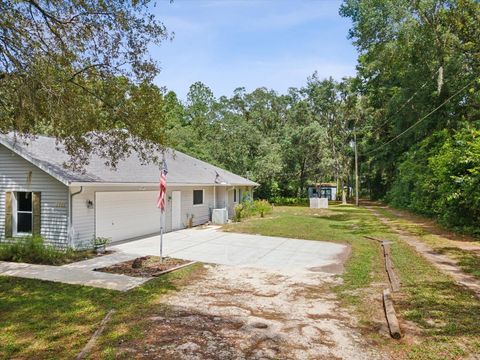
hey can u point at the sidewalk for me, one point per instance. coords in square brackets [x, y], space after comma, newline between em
[80, 273]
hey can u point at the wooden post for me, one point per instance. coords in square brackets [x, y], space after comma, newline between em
[392, 320]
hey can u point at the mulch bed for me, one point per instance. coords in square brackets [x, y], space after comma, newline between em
[145, 266]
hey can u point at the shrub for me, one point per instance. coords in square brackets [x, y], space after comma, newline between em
[251, 208]
[289, 201]
[262, 207]
[239, 212]
[32, 249]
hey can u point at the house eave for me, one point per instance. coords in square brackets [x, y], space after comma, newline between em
[139, 184]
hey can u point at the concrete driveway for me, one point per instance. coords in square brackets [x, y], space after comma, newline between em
[210, 245]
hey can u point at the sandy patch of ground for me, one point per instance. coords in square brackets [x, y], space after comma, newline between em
[246, 313]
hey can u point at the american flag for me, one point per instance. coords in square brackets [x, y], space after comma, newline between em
[163, 186]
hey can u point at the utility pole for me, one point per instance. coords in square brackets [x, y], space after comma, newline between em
[356, 166]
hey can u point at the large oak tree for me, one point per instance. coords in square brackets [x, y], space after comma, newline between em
[80, 70]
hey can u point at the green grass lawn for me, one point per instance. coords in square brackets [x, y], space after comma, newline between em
[445, 316]
[46, 320]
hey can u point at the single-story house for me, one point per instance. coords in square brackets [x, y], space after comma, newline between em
[40, 196]
[323, 190]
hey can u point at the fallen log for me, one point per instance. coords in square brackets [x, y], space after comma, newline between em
[390, 314]
[392, 277]
[394, 281]
[86, 350]
[372, 238]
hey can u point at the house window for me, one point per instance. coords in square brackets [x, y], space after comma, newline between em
[234, 195]
[197, 197]
[23, 213]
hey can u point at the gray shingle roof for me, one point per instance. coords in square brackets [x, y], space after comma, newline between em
[182, 169]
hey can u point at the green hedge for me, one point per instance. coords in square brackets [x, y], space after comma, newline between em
[289, 201]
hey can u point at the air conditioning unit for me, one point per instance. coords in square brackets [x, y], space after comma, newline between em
[220, 216]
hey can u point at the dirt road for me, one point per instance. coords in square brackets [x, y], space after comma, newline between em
[442, 262]
[246, 313]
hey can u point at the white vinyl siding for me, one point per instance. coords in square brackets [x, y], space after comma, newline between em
[221, 197]
[18, 174]
[84, 218]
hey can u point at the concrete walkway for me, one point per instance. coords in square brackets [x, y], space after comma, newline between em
[71, 275]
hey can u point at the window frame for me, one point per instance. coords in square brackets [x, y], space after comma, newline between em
[235, 198]
[203, 197]
[15, 213]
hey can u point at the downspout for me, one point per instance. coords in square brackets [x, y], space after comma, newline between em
[70, 215]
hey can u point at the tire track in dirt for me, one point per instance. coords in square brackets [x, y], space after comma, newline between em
[247, 313]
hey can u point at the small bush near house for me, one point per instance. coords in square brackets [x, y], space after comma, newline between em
[32, 249]
[251, 208]
[241, 211]
[289, 201]
[262, 207]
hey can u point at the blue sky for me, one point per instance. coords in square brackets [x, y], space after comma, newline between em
[231, 43]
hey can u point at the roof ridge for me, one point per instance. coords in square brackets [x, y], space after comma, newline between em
[43, 151]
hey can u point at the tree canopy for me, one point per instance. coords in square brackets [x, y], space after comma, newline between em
[418, 70]
[81, 71]
[70, 68]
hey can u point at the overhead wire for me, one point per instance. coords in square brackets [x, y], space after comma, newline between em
[421, 119]
[406, 102]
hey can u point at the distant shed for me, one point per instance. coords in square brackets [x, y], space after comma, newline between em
[323, 190]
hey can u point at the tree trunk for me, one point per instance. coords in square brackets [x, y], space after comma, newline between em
[302, 178]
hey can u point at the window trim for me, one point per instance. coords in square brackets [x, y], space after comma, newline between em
[15, 212]
[203, 197]
[235, 197]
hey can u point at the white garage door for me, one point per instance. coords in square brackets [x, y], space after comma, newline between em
[123, 215]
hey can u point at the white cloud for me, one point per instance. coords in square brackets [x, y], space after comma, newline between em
[304, 12]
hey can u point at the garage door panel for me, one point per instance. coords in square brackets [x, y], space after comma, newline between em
[126, 214]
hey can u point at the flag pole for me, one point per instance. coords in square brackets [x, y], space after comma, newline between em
[161, 235]
[161, 201]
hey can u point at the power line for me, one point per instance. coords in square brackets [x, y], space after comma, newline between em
[406, 102]
[421, 119]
